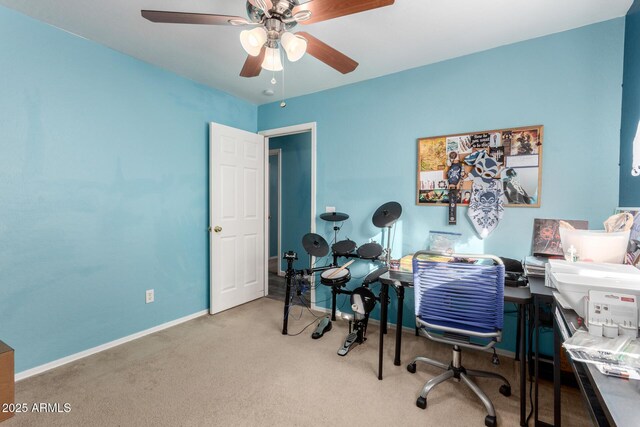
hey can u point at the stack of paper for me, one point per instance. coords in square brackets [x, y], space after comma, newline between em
[534, 266]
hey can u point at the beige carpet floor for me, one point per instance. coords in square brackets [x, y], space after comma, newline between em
[236, 369]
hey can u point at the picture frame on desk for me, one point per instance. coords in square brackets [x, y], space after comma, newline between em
[546, 236]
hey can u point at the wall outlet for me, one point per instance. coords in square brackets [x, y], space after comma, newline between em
[150, 296]
[330, 209]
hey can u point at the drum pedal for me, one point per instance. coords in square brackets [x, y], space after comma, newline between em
[323, 326]
[348, 343]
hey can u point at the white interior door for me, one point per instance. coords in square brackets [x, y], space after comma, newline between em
[237, 238]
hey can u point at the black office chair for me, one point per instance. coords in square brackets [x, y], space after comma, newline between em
[457, 301]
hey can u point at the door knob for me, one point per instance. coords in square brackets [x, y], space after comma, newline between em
[217, 229]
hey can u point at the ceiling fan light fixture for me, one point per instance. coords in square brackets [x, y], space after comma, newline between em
[272, 60]
[253, 40]
[294, 46]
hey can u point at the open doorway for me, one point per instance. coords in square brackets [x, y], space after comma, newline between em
[290, 206]
[275, 273]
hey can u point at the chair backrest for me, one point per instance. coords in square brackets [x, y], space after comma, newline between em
[459, 294]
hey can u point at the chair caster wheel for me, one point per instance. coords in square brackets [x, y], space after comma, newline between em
[421, 403]
[505, 390]
[490, 421]
[411, 367]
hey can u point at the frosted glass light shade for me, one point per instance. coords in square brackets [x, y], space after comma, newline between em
[253, 40]
[294, 46]
[272, 60]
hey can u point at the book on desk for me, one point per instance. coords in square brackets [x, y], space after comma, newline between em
[534, 266]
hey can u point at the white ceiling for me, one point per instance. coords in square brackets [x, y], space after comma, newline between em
[406, 35]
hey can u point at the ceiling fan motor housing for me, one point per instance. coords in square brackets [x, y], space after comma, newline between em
[274, 28]
[281, 10]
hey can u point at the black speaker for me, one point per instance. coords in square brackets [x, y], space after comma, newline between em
[514, 273]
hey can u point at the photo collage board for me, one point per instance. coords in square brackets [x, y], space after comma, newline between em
[450, 162]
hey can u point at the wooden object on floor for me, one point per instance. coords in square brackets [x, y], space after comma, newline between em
[564, 362]
[7, 380]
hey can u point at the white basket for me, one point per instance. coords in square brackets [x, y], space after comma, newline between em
[595, 245]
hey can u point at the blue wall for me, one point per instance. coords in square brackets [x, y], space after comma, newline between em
[569, 82]
[103, 191]
[296, 192]
[104, 168]
[630, 185]
[273, 206]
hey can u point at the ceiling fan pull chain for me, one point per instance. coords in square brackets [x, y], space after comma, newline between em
[273, 72]
[283, 103]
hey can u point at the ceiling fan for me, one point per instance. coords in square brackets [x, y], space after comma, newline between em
[272, 20]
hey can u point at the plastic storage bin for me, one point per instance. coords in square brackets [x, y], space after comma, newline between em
[443, 241]
[596, 245]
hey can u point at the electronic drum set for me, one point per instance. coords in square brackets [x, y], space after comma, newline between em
[336, 276]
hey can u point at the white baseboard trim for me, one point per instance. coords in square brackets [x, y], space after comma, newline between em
[71, 358]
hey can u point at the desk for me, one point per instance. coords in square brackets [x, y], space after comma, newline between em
[400, 280]
[543, 295]
[611, 400]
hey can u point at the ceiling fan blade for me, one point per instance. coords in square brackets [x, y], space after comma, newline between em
[253, 65]
[188, 18]
[328, 55]
[322, 10]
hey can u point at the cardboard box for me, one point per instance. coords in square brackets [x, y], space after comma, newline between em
[564, 362]
[7, 380]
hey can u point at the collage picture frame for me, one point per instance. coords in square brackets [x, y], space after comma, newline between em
[450, 162]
